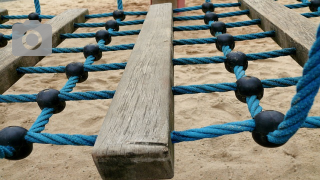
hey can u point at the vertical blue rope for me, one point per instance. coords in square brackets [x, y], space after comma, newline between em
[120, 6]
[42, 120]
[37, 6]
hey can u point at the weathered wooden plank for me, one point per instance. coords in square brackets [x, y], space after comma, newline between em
[292, 29]
[63, 23]
[3, 12]
[134, 140]
[174, 2]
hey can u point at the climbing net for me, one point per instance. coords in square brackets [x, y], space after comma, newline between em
[52, 101]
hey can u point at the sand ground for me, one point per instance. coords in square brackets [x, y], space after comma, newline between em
[228, 157]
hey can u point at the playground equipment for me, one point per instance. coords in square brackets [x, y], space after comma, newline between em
[136, 139]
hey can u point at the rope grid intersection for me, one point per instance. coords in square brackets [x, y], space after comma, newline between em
[296, 117]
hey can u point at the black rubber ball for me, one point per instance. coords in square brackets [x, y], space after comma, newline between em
[104, 35]
[210, 17]
[14, 136]
[3, 41]
[49, 98]
[112, 24]
[266, 122]
[248, 86]
[119, 14]
[235, 59]
[218, 26]
[207, 6]
[225, 40]
[94, 50]
[76, 69]
[34, 16]
[314, 4]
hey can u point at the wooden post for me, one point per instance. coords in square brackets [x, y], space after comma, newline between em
[134, 140]
[292, 29]
[3, 12]
[174, 2]
[63, 23]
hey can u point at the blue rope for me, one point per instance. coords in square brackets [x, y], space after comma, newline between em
[311, 14]
[214, 39]
[37, 6]
[120, 6]
[121, 23]
[228, 128]
[296, 6]
[206, 27]
[25, 17]
[90, 35]
[104, 48]
[61, 139]
[221, 15]
[6, 151]
[4, 26]
[307, 89]
[42, 120]
[177, 90]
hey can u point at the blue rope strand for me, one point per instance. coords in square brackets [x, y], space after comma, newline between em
[307, 88]
[37, 6]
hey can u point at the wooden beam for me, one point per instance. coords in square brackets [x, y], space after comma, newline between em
[292, 29]
[134, 140]
[3, 12]
[63, 23]
[174, 2]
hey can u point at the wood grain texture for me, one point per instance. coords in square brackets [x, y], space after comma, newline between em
[3, 12]
[134, 140]
[292, 29]
[62, 23]
[174, 2]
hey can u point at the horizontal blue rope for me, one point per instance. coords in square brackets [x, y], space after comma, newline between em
[206, 27]
[296, 6]
[311, 14]
[25, 17]
[177, 90]
[220, 59]
[4, 26]
[214, 39]
[226, 129]
[121, 23]
[136, 13]
[102, 48]
[221, 15]
[61, 139]
[90, 35]
[179, 61]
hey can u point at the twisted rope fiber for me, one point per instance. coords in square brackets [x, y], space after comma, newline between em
[177, 90]
[61, 69]
[252, 101]
[206, 27]
[121, 23]
[221, 15]
[37, 6]
[307, 89]
[7, 37]
[3, 26]
[90, 35]
[311, 14]
[120, 6]
[25, 17]
[214, 39]
[220, 59]
[180, 61]
[296, 6]
[226, 129]
[135, 13]
[102, 48]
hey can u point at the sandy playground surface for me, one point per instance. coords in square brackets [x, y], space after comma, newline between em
[228, 157]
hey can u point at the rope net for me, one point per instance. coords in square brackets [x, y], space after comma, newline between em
[296, 117]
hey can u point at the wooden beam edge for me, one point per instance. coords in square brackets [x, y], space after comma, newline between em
[9, 63]
[287, 35]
